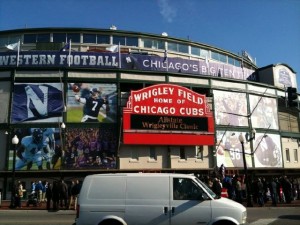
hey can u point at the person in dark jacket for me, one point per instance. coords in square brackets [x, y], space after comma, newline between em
[63, 194]
[287, 189]
[273, 190]
[71, 194]
[76, 192]
[261, 192]
[216, 187]
[55, 195]
[49, 195]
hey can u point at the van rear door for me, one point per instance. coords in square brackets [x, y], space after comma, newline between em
[147, 200]
[187, 204]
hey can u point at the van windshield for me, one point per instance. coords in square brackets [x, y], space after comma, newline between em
[207, 189]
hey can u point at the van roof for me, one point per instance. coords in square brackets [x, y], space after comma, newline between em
[142, 175]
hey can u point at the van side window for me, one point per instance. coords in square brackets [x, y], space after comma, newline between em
[186, 189]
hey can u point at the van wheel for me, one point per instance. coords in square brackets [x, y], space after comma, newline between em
[110, 222]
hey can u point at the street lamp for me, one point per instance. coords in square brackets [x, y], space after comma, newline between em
[249, 193]
[15, 141]
[63, 126]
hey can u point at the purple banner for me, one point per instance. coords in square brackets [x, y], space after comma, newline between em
[36, 102]
[127, 61]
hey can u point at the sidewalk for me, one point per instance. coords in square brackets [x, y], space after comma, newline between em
[6, 203]
[294, 203]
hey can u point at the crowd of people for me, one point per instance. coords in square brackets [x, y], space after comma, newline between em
[90, 148]
[55, 196]
[60, 195]
[280, 189]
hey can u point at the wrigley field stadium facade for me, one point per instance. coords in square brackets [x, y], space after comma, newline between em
[84, 101]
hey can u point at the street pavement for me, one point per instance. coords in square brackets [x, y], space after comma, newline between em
[5, 205]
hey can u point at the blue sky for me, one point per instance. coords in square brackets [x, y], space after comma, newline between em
[269, 30]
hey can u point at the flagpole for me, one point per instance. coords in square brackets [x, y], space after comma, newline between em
[18, 53]
[207, 64]
[167, 62]
[119, 48]
[166, 59]
[69, 58]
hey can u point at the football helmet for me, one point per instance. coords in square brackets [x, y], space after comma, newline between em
[37, 136]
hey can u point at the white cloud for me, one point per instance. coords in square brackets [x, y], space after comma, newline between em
[166, 10]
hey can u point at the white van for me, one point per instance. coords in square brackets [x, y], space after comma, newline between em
[154, 198]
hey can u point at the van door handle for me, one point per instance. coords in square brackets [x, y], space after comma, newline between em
[165, 210]
[173, 210]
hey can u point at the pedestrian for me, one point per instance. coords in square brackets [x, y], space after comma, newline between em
[49, 195]
[38, 190]
[71, 194]
[238, 191]
[217, 187]
[273, 190]
[261, 192]
[63, 194]
[76, 192]
[287, 189]
[44, 189]
[55, 195]
[33, 184]
[19, 193]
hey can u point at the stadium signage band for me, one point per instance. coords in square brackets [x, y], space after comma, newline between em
[123, 61]
[167, 114]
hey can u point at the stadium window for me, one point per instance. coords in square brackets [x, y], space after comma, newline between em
[160, 44]
[29, 38]
[204, 53]
[287, 153]
[119, 40]
[151, 43]
[296, 155]
[89, 38]
[182, 153]
[43, 38]
[14, 39]
[183, 48]
[132, 41]
[237, 63]
[195, 51]
[230, 60]
[215, 56]
[103, 39]
[75, 37]
[3, 40]
[172, 46]
[223, 58]
[148, 43]
[59, 37]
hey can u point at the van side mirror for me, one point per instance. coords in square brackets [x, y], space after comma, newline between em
[204, 196]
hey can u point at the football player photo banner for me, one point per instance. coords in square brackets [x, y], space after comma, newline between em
[267, 151]
[87, 102]
[37, 102]
[38, 149]
[265, 113]
[230, 108]
[229, 150]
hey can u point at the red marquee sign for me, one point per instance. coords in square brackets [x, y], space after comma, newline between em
[167, 114]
